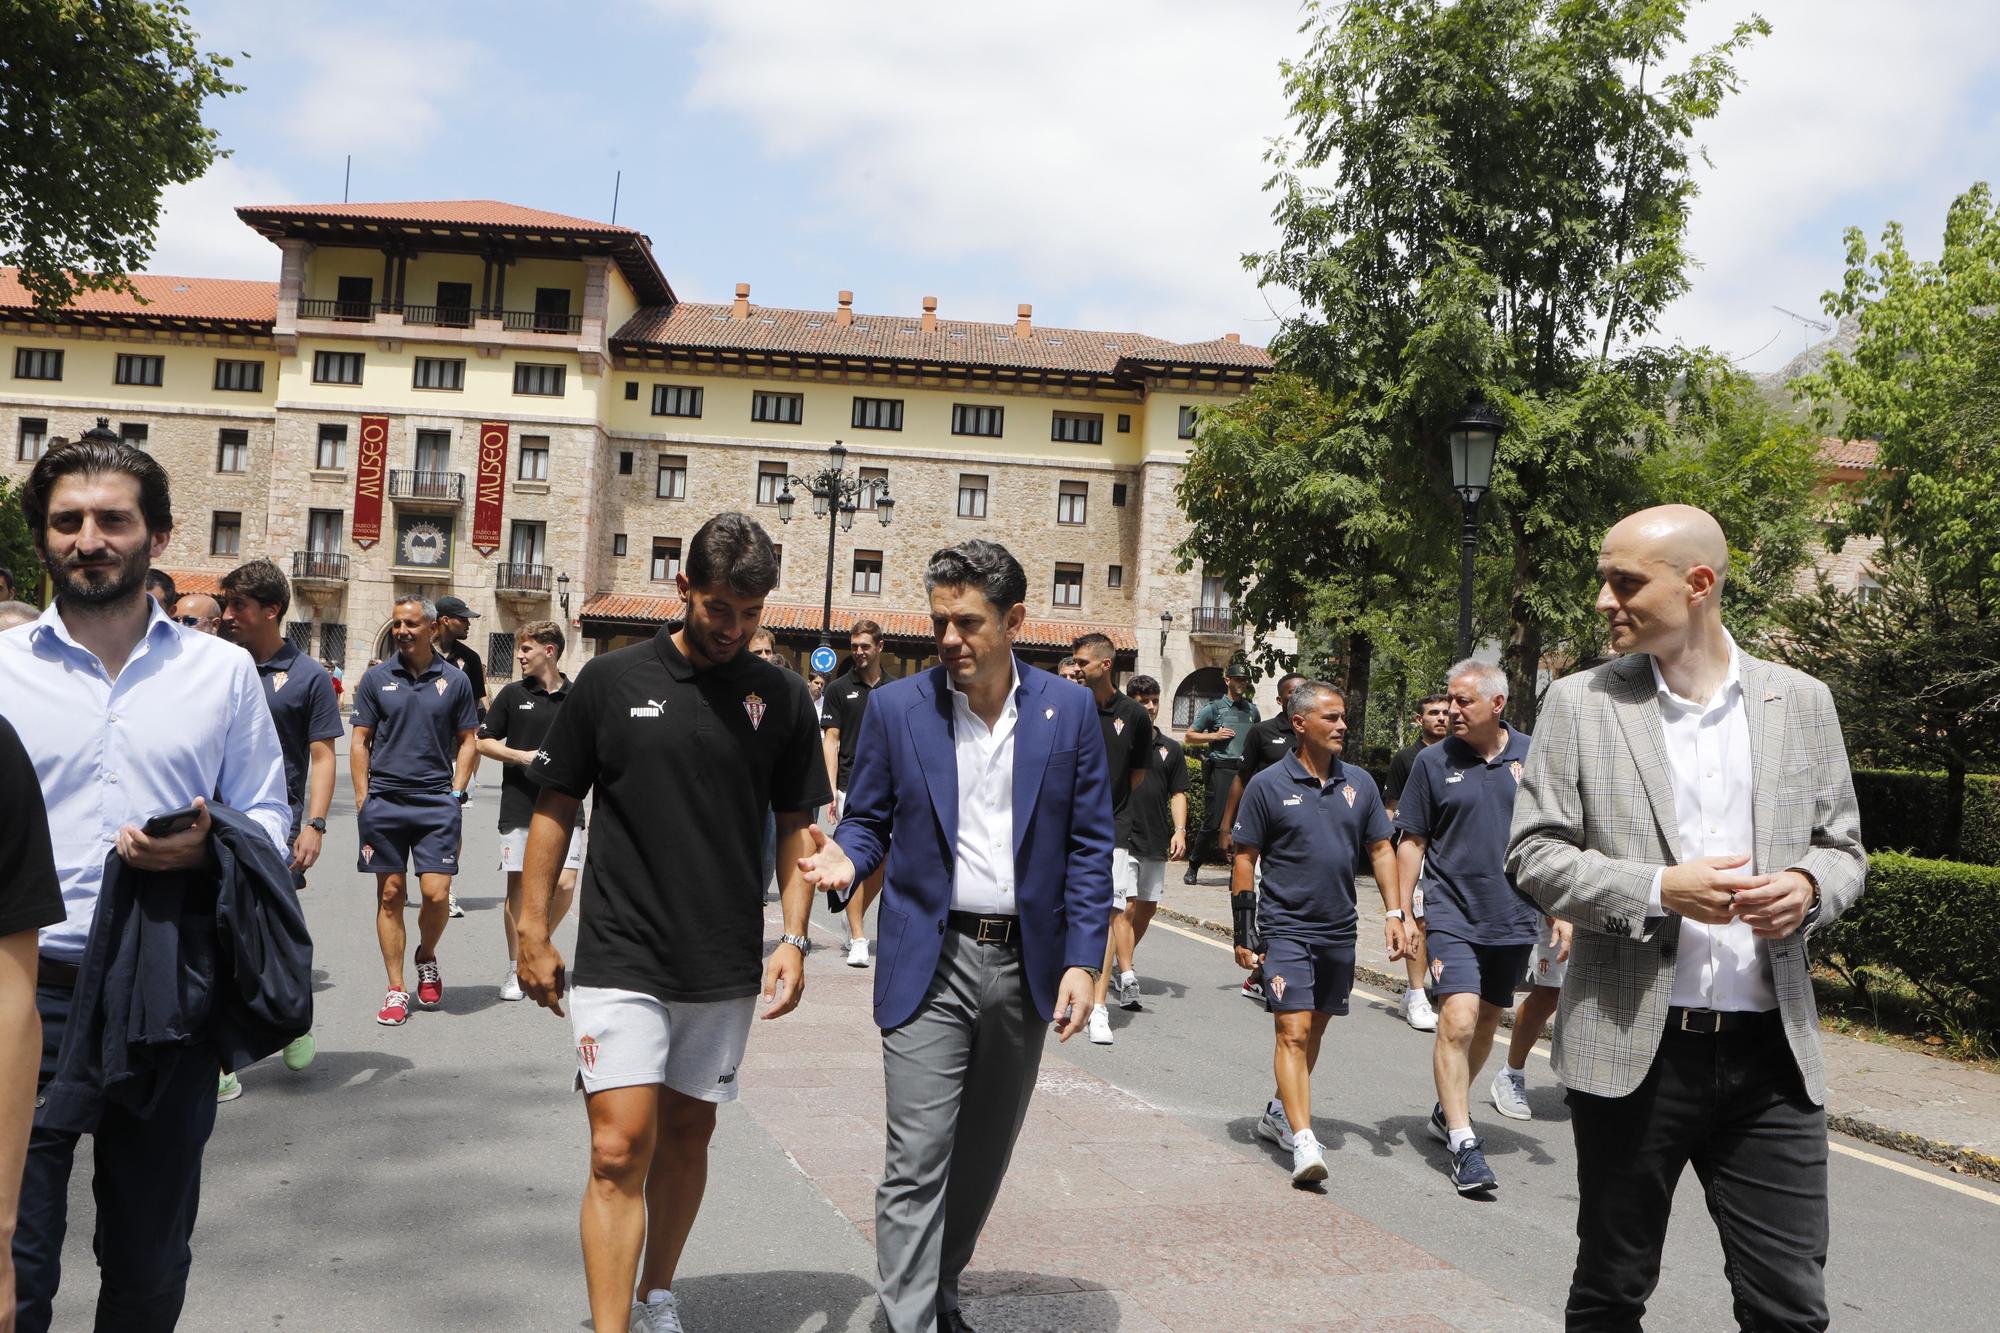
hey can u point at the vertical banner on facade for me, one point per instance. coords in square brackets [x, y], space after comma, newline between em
[371, 462]
[492, 483]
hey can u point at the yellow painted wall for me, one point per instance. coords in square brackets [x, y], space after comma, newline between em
[620, 304]
[388, 381]
[420, 285]
[524, 275]
[328, 264]
[89, 364]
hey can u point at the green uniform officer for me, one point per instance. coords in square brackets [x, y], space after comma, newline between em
[1223, 726]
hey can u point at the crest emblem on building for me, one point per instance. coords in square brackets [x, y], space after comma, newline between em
[754, 706]
[586, 1052]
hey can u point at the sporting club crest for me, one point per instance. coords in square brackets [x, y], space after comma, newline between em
[440, 683]
[586, 1052]
[278, 680]
[754, 706]
[1118, 726]
[1276, 986]
[1515, 769]
[1348, 792]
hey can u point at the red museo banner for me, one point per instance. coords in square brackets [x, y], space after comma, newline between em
[370, 464]
[492, 484]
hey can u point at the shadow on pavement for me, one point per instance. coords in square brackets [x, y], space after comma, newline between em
[1024, 1303]
[330, 1070]
[785, 1300]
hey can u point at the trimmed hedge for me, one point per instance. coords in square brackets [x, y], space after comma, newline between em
[1905, 811]
[1936, 922]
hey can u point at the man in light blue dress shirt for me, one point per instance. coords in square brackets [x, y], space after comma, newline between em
[125, 715]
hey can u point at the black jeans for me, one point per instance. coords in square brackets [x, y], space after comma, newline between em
[1735, 1107]
[147, 1181]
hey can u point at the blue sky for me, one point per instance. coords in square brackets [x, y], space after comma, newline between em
[1102, 161]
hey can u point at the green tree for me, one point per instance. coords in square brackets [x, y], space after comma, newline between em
[17, 546]
[1491, 196]
[100, 110]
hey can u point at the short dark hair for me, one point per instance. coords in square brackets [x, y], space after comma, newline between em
[545, 631]
[261, 581]
[977, 563]
[94, 456]
[1430, 699]
[1094, 641]
[733, 549]
[864, 626]
[161, 584]
[1294, 677]
[1140, 686]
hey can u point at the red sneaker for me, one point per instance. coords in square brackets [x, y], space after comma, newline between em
[395, 1009]
[430, 985]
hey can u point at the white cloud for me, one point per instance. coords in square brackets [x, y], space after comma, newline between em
[366, 89]
[199, 234]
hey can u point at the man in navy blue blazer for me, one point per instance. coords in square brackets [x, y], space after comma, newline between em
[983, 783]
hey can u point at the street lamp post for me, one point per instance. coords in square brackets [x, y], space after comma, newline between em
[836, 495]
[1474, 439]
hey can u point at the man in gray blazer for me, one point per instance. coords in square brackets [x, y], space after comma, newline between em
[1689, 809]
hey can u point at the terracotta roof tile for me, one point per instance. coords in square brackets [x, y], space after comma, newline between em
[639, 608]
[195, 580]
[1841, 453]
[442, 212]
[166, 297]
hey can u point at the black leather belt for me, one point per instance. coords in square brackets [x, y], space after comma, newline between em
[1710, 1022]
[986, 929]
[60, 976]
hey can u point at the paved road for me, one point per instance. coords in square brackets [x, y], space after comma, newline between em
[428, 1176]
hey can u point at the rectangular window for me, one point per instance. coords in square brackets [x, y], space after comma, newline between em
[1114, 577]
[323, 528]
[1118, 495]
[240, 376]
[500, 654]
[770, 482]
[454, 305]
[134, 433]
[534, 465]
[785, 409]
[971, 495]
[1069, 585]
[38, 363]
[552, 310]
[671, 482]
[337, 367]
[624, 462]
[146, 371]
[618, 546]
[676, 400]
[34, 438]
[332, 455]
[1187, 423]
[666, 559]
[1071, 498]
[1214, 594]
[1124, 423]
[433, 451]
[631, 391]
[232, 451]
[540, 381]
[1078, 427]
[354, 298]
[866, 500]
[868, 573]
[527, 544]
[969, 420]
[878, 414]
[225, 533]
[436, 372]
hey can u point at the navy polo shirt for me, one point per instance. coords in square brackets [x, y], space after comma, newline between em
[304, 710]
[416, 720]
[1309, 837]
[1461, 806]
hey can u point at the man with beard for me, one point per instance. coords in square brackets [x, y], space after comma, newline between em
[125, 717]
[410, 758]
[671, 927]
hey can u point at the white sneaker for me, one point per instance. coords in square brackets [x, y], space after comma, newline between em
[1417, 1011]
[1127, 990]
[1274, 1126]
[1100, 1025]
[857, 953]
[510, 989]
[656, 1316]
[452, 909]
[1308, 1162]
[1510, 1094]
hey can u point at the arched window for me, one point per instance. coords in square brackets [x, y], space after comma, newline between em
[1196, 688]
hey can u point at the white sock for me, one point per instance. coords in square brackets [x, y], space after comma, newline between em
[1518, 1073]
[1128, 978]
[658, 1294]
[1303, 1137]
[1460, 1137]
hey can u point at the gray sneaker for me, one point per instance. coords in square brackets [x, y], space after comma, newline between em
[661, 1316]
[1510, 1094]
[1274, 1125]
[1126, 990]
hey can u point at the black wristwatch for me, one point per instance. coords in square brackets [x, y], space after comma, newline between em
[316, 824]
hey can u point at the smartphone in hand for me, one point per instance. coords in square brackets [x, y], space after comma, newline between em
[173, 821]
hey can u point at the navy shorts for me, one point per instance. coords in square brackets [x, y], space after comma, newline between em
[1299, 975]
[1490, 971]
[398, 830]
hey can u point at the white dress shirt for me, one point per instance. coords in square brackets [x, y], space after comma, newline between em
[1708, 750]
[982, 877]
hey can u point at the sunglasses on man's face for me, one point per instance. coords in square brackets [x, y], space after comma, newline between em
[194, 622]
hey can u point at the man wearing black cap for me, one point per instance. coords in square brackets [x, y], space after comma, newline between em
[1223, 726]
[454, 622]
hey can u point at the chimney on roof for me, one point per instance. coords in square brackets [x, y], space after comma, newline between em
[845, 315]
[930, 314]
[741, 310]
[1024, 326]
[1232, 337]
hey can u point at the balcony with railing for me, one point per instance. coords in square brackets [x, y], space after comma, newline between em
[428, 487]
[524, 580]
[443, 317]
[1215, 622]
[320, 567]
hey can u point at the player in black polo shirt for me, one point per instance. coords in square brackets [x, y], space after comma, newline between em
[410, 757]
[1159, 834]
[512, 733]
[454, 622]
[1128, 744]
[682, 743]
[846, 701]
[1433, 725]
[30, 898]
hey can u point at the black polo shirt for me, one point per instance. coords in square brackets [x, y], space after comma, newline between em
[461, 656]
[683, 765]
[304, 710]
[1152, 811]
[30, 894]
[1269, 741]
[520, 718]
[416, 722]
[1399, 770]
[1128, 739]
[846, 701]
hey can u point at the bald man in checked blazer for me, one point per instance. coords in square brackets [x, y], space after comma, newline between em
[1689, 809]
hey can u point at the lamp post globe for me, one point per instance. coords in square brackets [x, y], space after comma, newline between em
[1474, 439]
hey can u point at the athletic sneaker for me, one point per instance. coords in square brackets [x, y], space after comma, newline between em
[1510, 1093]
[1100, 1025]
[1438, 1126]
[1469, 1171]
[299, 1052]
[395, 1009]
[452, 909]
[430, 985]
[1274, 1125]
[1308, 1162]
[1127, 990]
[857, 952]
[1417, 1011]
[659, 1315]
[229, 1089]
[510, 988]
[1253, 989]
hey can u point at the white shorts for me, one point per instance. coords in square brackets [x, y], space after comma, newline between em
[514, 846]
[1543, 969]
[1135, 877]
[625, 1039]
